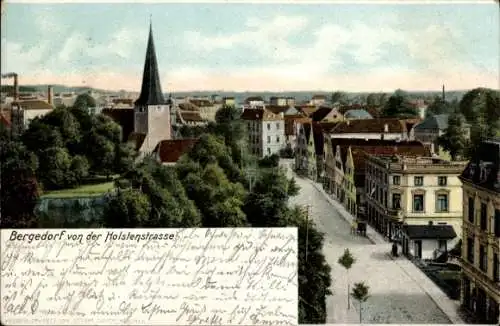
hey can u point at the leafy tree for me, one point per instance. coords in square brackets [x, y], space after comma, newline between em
[129, 208]
[233, 130]
[219, 200]
[340, 97]
[314, 271]
[55, 168]
[287, 152]
[40, 136]
[360, 293]
[399, 106]
[20, 190]
[347, 260]
[372, 99]
[64, 121]
[161, 192]
[454, 139]
[84, 101]
[439, 106]
[270, 161]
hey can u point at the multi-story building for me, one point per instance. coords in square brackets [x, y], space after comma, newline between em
[266, 131]
[345, 161]
[413, 191]
[22, 112]
[318, 100]
[480, 292]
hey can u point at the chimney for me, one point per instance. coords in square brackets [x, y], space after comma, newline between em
[443, 94]
[50, 94]
[16, 88]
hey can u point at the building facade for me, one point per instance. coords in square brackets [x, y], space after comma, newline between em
[414, 191]
[480, 292]
[266, 131]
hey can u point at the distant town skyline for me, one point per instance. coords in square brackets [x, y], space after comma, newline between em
[255, 47]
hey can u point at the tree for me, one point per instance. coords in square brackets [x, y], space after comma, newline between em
[340, 98]
[439, 106]
[314, 272]
[399, 106]
[84, 101]
[270, 161]
[129, 208]
[19, 187]
[162, 202]
[347, 260]
[454, 139]
[360, 293]
[55, 168]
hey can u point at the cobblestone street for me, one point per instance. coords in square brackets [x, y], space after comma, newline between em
[395, 297]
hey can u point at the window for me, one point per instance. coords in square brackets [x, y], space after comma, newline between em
[471, 210]
[442, 181]
[396, 201]
[419, 181]
[249, 126]
[442, 244]
[483, 258]
[268, 126]
[470, 250]
[442, 203]
[268, 139]
[418, 203]
[277, 125]
[483, 217]
[268, 150]
[396, 180]
[277, 139]
[158, 109]
[497, 223]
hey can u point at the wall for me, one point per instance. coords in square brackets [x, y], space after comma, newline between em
[276, 134]
[429, 189]
[429, 246]
[70, 212]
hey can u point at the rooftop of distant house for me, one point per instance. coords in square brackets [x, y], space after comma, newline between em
[483, 169]
[260, 114]
[169, 151]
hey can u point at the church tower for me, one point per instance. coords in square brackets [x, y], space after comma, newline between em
[151, 111]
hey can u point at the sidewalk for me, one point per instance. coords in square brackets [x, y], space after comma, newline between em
[449, 307]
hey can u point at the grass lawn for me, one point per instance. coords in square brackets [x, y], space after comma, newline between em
[88, 190]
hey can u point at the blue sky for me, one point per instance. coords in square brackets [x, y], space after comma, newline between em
[214, 46]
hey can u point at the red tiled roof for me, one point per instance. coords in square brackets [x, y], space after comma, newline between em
[371, 126]
[360, 148]
[189, 106]
[259, 114]
[191, 116]
[277, 109]
[308, 110]
[169, 151]
[291, 122]
[200, 102]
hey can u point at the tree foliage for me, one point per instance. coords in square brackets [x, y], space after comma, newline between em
[72, 144]
[150, 195]
[360, 293]
[20, 190]
[454, 139]
[339, 97]
[84, 101]
[399, 106]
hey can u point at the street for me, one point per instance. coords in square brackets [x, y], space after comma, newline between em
[394, 295]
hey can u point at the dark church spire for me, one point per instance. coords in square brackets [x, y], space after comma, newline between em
[151, 88]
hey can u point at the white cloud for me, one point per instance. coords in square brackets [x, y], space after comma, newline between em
[433, 46]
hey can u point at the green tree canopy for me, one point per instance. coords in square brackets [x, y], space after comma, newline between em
[399, 106]
[84, 101]
[454, 139]
[20, 190]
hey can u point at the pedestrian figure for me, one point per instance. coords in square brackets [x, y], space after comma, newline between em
[354, 227]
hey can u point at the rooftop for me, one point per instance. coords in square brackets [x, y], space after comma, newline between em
[439, 121]
[418, 163]
[483, 169]
[445, 232]
[169, 151]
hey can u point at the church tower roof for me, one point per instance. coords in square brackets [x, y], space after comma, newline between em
[151, 93]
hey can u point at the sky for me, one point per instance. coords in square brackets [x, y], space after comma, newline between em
[255, 46]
